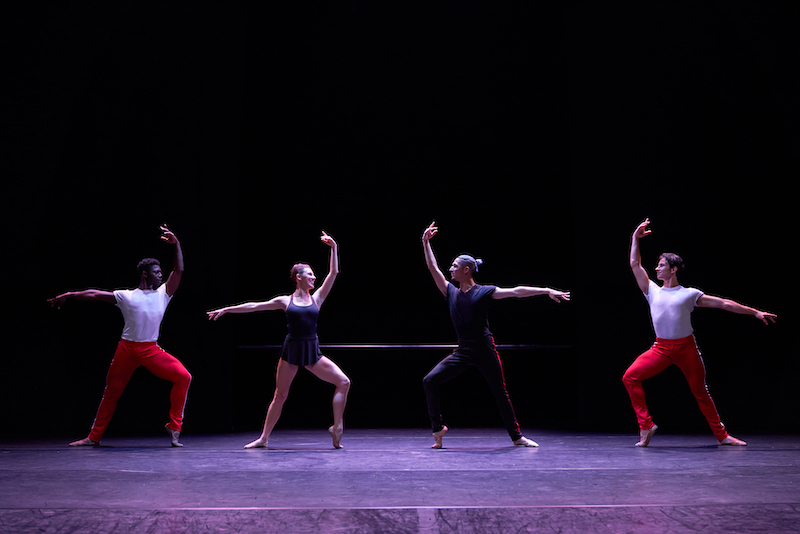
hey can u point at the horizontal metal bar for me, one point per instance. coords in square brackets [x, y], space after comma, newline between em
[400, 346]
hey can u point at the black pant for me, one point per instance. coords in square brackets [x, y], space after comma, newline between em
[484, 356]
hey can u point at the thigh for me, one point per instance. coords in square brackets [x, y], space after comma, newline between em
[122, 366]
[450, 367]
[690, 362]
[164, 365]
[284, 375]
[648, 364]
[328, 371]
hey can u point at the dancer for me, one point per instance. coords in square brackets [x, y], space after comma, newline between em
[143, 310]
[469, 308]
[301, 346]
[671, 306]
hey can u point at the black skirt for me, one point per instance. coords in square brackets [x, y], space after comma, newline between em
[302, 351]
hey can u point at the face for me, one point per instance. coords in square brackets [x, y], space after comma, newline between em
[664, 271]
[457, 273]
[305, 278]
[154, 276]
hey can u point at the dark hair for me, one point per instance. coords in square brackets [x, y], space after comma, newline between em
[146, 263]
[673, 260]
[465, 260]
[296, 268]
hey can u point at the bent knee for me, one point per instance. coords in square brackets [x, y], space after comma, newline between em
[345, 383]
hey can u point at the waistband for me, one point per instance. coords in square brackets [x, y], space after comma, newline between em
[679, 341]
[138, 343]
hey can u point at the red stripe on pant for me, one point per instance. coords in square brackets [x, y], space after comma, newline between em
[665, 352]
[129, 356]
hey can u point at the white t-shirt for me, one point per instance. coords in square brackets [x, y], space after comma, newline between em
[671, 309]
[143, 310]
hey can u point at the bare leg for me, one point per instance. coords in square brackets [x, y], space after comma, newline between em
[284, 375]
[328, 371]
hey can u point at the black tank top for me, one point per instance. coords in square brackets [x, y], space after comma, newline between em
[302, 320]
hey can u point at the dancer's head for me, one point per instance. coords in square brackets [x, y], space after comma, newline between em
[303, 276]
[464, 267]
[150, 274]
[669, 265]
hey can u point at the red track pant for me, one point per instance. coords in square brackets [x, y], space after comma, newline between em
[665, 352]
[129, 356]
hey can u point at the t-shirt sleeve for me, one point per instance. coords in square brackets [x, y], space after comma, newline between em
[121, 296]
[696, 294]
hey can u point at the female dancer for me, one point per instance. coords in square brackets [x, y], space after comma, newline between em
[469, 309]
[671, 306]
[301, 346]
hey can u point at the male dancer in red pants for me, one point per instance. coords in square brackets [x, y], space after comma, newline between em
[142, 309]
[671, 306]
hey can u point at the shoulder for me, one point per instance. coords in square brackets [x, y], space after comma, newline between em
[484, 290]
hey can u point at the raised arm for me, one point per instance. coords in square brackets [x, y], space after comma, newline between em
[277, 303]
[430, 258]
[527, 291]
[707, 301]
[174, 279]
[322, 293]
[639, 272]
[97, 295]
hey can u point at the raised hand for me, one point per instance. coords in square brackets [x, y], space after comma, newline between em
[328, 240]
[429, 232]
[168, 236]
[642, 230]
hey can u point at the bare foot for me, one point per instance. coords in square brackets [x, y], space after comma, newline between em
[730, 440]
[525, 442]
[260, 442]
[437, 438]
[336, 435]
[645, 435]
[85, 442]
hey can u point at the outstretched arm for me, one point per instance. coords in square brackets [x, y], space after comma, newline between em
[277, 303]
[174, 279]
[639, 272]
[430, 258]
[322, 293]
[707, 301]
[527, 291]
[96, 295]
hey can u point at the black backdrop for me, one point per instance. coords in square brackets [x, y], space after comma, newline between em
[537, 135]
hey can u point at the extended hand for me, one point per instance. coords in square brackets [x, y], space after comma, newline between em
[429, 232]
[213, 315]
[168, 236]
[766, 317]
[57, 302]
[558, 296]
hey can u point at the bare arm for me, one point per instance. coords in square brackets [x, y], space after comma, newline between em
[527, 291]
[174, 279]
[96, 295]
[430, 258]
[277, 303]
[322, 293]
[707, 301]
[639, 272]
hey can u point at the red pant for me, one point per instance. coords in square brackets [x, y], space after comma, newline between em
[127, 358]
[665, 352]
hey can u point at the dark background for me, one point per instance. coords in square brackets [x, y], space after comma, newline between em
[537, 135]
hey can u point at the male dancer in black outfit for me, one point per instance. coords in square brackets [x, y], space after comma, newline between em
[469, 308]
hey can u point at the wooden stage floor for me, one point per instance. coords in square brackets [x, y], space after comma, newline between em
[390, 481]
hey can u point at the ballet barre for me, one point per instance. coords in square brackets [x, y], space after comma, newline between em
[417, 346]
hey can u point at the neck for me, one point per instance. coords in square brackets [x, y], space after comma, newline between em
[671, 282]
[466, 285]
[301, 293]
